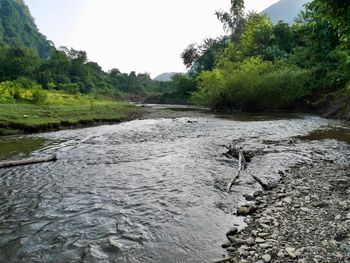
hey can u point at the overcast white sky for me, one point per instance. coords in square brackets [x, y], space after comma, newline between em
[139, 35]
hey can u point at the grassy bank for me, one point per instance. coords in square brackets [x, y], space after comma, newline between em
[59, 111]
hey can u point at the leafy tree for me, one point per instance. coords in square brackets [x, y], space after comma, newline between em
[233, 20]
[257, 34]
[335, 14]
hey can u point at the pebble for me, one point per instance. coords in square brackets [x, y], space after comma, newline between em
[265, 226]
[259, 240]
[266, 258]
[280, 254]
[263, 234]
[236, 241]
[287, 200]
[250, 241]
[305, 209]
[264, 245]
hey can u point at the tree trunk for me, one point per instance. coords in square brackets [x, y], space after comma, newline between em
[8, 164]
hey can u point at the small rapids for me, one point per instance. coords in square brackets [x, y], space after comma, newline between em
[151, 190]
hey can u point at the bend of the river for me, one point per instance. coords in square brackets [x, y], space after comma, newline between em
[151, 190]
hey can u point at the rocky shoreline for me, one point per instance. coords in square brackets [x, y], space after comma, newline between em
[305, 218]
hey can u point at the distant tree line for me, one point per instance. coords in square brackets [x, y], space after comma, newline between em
[69, 70]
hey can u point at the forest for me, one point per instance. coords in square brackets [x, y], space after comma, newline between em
[259, 65]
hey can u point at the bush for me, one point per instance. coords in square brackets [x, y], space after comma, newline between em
[21, 90]
[39, 97]
[251, 85]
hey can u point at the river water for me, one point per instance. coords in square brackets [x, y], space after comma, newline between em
[151, 190]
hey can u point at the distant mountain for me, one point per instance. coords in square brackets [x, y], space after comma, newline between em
[286, 10]
[18, 29]
[165, 76]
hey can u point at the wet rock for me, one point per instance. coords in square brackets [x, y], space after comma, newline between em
[280, 254]
[249, 197]
[246, 210]
[233, 231]
[226, 244]
[236, 241]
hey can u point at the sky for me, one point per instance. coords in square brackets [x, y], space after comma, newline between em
[132, 35]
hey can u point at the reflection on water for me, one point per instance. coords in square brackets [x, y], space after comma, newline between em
[337, 133]
[147, 190]
[263, 116]
[18, 147]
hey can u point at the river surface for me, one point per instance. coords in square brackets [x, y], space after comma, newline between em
[151, 190]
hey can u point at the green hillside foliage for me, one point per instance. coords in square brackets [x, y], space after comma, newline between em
[264, 66]
[17, 29]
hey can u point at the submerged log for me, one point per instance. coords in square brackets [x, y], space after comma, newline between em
[8, 164]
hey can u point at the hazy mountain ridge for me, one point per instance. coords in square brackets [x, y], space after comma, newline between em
[18, 28]
[165, 76]
[286, 10]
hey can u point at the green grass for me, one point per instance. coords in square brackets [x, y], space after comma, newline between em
[62, 110]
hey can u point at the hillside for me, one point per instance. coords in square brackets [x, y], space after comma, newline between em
[286, 10]
[18, 29]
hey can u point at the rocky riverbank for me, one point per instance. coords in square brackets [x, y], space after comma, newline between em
[305, 218]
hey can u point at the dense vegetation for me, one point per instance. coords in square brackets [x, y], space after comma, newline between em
[29, 60]
[71, 71]
[259, 65]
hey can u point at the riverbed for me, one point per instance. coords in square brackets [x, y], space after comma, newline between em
[148, 190]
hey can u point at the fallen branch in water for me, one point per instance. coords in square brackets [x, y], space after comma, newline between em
[264, 185]
[27, 161]
[242, 165]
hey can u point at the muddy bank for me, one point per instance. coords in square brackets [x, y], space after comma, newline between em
[335, 105]
[306, 218]
[13, 128]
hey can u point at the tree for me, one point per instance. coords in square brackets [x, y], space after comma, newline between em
[233, 21]
[257, 34]
[335, 13]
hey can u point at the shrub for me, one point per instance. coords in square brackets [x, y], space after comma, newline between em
[39, 97]
[252, 84]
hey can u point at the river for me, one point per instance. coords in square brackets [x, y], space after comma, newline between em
[149, 190]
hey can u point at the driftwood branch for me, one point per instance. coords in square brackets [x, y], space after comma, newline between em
[242, 165]
[27, 161]
[264, 185]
